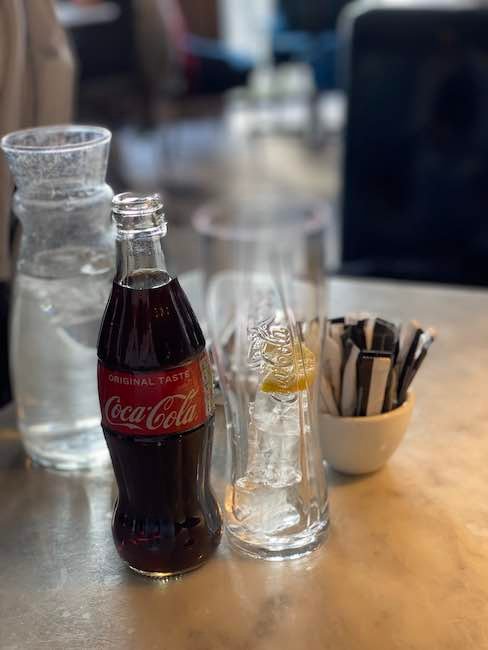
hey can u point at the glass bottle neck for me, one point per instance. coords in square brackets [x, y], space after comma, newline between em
[140, 261]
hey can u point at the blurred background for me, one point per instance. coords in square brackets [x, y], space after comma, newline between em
[222, 98]
[376, 110]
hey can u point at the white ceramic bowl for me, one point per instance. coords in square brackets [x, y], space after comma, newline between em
[364, 444]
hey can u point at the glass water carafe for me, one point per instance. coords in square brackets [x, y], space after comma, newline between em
[64, 271]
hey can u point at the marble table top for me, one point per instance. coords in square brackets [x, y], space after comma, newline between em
[405, 566]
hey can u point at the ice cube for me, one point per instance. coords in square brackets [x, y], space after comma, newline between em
[274, 440]
[263, 508]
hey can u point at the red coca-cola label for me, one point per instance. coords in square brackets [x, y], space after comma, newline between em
[156, 403]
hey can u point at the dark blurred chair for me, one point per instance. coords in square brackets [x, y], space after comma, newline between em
[415, 182]
[102, 35]
[113, 86]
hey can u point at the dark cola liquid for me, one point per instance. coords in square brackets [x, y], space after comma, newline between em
[166, 519]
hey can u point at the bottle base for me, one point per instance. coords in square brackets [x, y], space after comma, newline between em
[276, 549]
[165, 575]
[174, 573]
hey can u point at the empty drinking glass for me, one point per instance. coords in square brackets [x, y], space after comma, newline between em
[264, 294]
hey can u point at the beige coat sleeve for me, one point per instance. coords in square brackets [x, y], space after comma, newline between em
[12, 66]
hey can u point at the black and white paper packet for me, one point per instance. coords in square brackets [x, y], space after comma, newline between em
[369, 364]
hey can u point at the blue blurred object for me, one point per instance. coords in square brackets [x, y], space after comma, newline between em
[306, 32]
[215, 68]
[319, 51]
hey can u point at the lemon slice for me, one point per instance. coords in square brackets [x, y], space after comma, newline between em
[292, 372]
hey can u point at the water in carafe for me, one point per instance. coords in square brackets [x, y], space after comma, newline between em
[55, 382]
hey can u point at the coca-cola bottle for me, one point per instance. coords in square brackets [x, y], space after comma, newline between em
[155, 388]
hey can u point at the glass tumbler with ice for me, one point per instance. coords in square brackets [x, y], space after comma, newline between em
[264, 294]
